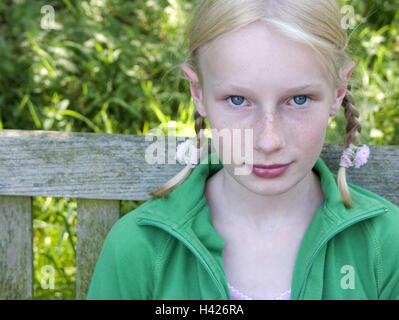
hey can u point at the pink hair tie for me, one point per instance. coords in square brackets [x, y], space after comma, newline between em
[355, 156]
[187, 153]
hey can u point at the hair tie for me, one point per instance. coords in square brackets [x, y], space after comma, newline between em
[355, 156]
[187, 153]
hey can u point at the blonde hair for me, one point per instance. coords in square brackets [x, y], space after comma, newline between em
[313, 22]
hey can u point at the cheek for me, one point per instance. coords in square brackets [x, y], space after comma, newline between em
[310, 134]
[228, 139]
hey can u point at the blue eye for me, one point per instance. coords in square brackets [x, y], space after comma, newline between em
[236, 100]
[301, 100]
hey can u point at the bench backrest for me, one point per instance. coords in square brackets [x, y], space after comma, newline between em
[99, 170]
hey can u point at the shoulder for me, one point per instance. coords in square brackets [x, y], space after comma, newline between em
[125, 268]
[380, 239]
[383, 231]
[128, 247]
[371, 200]
[127, 237]
[385, 225]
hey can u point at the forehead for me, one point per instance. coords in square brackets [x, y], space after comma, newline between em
[257, 54]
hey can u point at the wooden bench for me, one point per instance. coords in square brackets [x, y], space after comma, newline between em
[99, 170]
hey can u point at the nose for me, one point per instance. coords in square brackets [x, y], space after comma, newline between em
[268, 132]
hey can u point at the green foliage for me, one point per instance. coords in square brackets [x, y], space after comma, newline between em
[112, 66]
[375, 48]
[103, 69]
[54, 241]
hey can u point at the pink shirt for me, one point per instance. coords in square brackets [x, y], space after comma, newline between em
[236, 294]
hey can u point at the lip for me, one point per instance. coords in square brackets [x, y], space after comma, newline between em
[273, 166]
[270, 171]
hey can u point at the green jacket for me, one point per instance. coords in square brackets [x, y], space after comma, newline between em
[168, 248]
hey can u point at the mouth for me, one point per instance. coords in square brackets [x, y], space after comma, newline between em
[270, 171]
[272, 166]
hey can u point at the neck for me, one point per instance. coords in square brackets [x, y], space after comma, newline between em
[232, 203]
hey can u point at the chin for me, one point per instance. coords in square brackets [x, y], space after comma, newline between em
[272, 191]
[269, 187]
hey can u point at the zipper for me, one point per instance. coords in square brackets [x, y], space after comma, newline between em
[370, 214]
[179, 236]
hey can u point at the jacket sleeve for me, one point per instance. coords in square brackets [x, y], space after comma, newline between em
[389, 249]
[125, 264]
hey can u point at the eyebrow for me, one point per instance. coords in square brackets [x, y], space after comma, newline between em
[316, 86]
[307, 86]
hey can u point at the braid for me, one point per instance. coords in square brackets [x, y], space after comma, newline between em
[169, 186]
[353, 129]
[199, 125]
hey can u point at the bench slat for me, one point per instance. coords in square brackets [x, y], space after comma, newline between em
[16, 269]
[94, 219]
[80, 165]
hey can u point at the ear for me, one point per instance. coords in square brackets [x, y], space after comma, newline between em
[196, 91]
[340, 92]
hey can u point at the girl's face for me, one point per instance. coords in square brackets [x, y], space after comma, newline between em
[255, 78]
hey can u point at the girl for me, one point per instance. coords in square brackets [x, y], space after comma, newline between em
[289, 229]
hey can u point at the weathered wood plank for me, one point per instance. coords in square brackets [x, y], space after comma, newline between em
[80, 165]
[16, 275]
[94, 219]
